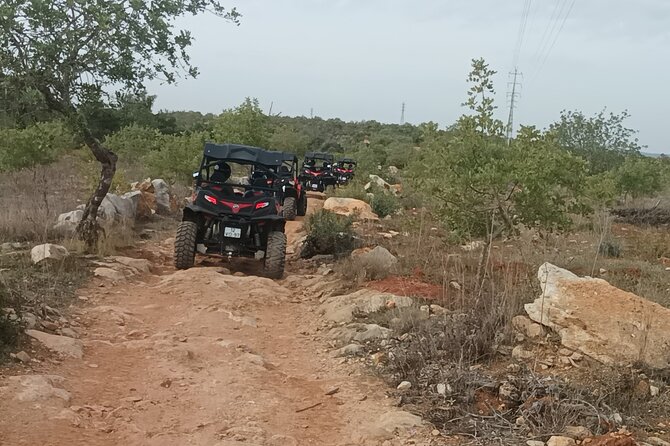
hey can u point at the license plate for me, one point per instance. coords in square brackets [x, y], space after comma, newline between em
[232, 232]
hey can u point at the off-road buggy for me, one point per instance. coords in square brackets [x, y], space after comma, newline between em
[317, 173]
[344, 170]
[230, 219]
[293, 194]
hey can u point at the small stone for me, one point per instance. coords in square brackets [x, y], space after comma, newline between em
[617, 418]
[654, 391]
[48, 325]
[508, 391]
[436, 309]
[534, 443]
[405, 385]
[602, 270]
[442, 389]
[455, 285]
[561, 441]
[70, 333]
[576, 356]
[425, 311]
[655, 441]
[520, 421]
[435, 433]
[514, 368]
[528, 327]
[577, 432]
[22, 356]
[565, 352]
[239, 274]
[521, 354]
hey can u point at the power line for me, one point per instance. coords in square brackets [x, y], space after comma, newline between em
[551, 24]
[522, 31]
[565, 19]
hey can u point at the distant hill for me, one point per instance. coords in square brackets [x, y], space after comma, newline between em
[653, 155]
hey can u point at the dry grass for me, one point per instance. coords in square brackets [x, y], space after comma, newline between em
[468, 347]
[32, 199]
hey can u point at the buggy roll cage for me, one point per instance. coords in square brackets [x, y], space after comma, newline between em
[240, 154]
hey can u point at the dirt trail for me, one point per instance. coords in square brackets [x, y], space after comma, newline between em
[199, 357]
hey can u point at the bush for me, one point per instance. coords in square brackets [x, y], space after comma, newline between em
[133, 142]
[42, 143]
[177, 158]
[384, 204]
[328, 233]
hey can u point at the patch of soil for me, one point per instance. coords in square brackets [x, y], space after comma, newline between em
[407, 286]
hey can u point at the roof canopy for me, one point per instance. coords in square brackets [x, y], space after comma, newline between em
[243, 154]
[320, 156]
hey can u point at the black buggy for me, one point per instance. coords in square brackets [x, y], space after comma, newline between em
[317, 171]
[293, 194]
[232, 219]
[344, 170]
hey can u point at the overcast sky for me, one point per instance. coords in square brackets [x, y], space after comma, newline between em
[361, 59]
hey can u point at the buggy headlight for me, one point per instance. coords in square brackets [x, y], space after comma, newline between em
[262, 205]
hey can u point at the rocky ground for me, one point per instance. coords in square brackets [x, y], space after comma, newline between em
[208, 356]
[217, 355]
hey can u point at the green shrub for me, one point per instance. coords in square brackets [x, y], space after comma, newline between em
[384, 204]
[328, 233]
[42, 143]
[133, 142]
[177, 157]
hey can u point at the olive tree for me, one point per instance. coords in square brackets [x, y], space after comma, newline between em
[74, 53]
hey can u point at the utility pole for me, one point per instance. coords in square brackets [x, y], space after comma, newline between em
[402, 114]
[311, 113]
[512, 96]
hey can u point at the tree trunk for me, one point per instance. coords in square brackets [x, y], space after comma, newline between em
[89, 228]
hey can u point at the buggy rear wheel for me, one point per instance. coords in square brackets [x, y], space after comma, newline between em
[184, 245]
[275, 255]
[290, 208]
[302, 205]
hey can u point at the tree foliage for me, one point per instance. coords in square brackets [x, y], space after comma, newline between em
[481, 185]
[245, 124]
[65, 55]
[603, 140]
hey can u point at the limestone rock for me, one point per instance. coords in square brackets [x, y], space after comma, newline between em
[67, 222]
[162, 193]
[527, 327]
[36, 388]
[109, 273]
[365, 301]
[350, 206]
[608, 324]
[561, 441]
[359, 333]
[60, 344]
[48, 251]
[378, 259]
